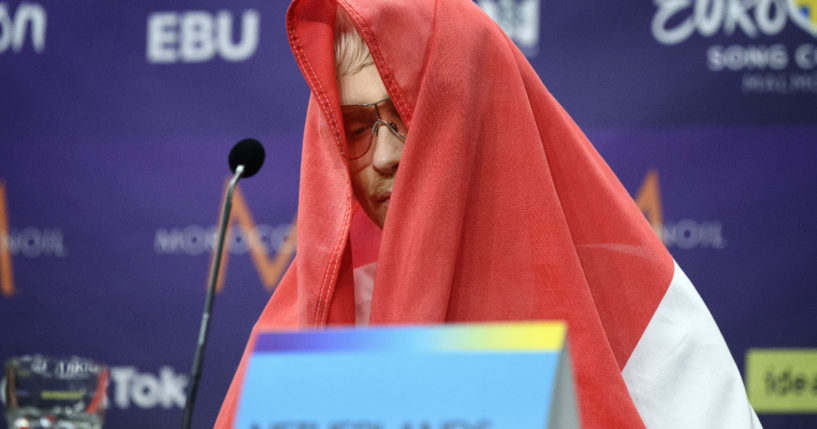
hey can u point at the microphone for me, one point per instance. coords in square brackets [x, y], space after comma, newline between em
[250, 154]
[245, 159]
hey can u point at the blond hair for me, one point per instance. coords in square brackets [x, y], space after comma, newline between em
[351, 52]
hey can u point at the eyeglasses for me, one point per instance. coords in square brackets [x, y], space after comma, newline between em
[361, 123]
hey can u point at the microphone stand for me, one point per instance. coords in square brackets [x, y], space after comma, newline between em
[198, 358]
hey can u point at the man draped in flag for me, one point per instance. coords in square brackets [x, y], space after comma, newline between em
[441, 182]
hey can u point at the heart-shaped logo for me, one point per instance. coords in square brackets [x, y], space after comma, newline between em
[804, 14]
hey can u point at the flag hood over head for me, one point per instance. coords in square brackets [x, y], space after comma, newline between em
[501, 208]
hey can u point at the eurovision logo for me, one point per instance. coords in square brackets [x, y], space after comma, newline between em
[767, 63]
[28, 21]
[804, 14]
[675, 21]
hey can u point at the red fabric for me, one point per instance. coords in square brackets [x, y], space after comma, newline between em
[365, 238]
[501, 209]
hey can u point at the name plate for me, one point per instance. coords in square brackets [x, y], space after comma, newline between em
[457, 376]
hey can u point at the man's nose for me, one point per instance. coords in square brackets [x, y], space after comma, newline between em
[387, 151]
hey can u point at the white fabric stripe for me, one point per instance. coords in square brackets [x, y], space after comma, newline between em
[364, 287]
[681, 374]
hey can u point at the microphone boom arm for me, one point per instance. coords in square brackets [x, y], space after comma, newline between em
[198, 359]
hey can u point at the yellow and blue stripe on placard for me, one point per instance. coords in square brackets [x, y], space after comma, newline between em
[485, 337]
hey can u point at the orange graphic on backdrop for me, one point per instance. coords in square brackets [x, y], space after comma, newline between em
[6, 278]
[648, 200]
[270, 270]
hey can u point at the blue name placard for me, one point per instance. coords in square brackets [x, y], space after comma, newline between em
[480, 376]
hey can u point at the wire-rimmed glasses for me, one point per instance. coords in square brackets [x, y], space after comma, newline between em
[361, 123]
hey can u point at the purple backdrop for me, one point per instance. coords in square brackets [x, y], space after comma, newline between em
[115, 122]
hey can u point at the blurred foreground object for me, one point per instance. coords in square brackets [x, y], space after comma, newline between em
[50, 392]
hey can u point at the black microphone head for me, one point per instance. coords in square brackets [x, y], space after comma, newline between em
[250, 154]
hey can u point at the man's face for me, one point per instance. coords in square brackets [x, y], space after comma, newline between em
[373, 173]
